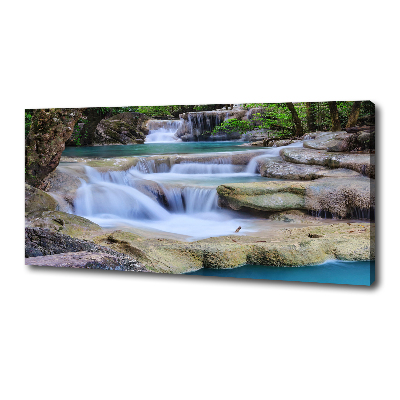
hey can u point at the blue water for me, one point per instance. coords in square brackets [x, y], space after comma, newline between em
[339, 272]
[154, 149]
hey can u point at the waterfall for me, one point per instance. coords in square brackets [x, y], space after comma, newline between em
[115, 198]
[252, 166]
[161, 131]
[197, 168]
[191, 200]
[111, 194]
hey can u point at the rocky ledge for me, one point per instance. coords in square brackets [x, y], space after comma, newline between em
[340, 197]
[362, 163]
[283, 247]
[46, 248]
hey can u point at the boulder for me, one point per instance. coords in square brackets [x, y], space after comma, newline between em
[45, 141]
[362, 163]
[341, 197]
[327, 140]
[38, 200]
[279, 169]
[276, 168]
[64, 182]
[123, 128]
[264, 196]
[84, 259]
[344, 141]
[59, 221]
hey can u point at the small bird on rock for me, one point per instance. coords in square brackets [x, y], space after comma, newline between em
[314, 235]
[238, 229]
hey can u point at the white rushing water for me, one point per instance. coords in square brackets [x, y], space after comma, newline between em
[161, 131]
[187, 203]
[252, 166]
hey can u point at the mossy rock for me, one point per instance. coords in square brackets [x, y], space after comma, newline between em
[36, 200]
[264, 196]
[124, 128]
[68, 224]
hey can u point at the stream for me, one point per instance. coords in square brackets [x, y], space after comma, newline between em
[188, 207]
[190, 203]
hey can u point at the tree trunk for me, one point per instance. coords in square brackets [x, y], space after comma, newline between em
[311, 117]
[45, 142]
[334, 116]
[296, 119]
[353, 117]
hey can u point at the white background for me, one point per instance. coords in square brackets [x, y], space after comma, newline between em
[103, 335]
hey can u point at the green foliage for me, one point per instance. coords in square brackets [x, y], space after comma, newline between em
[28, 120]
[274, 117]
[233, 125]
[159, 111]
[277, 119]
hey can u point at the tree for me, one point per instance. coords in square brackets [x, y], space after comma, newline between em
[45, 141]
[311, 117]
[296, 119]
[334, 116]
[353, 117]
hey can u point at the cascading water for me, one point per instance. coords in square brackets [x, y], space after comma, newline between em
[162, 131]
[111, 199]
[185, 203]
[252, 166]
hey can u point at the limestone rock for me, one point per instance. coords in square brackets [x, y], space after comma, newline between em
[362, 163]
[59, 221]
[64, 182]
[283, 247]
[37, 200]
[276, 168]
[264, 196]
[344, 141]
[341, 197]
[124, 128]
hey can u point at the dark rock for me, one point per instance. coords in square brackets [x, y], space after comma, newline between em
[45, 142]
[43, 242]
[124, 128]
[197, 126]
[84, 259]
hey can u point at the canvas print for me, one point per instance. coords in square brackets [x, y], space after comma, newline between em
[276, 191]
